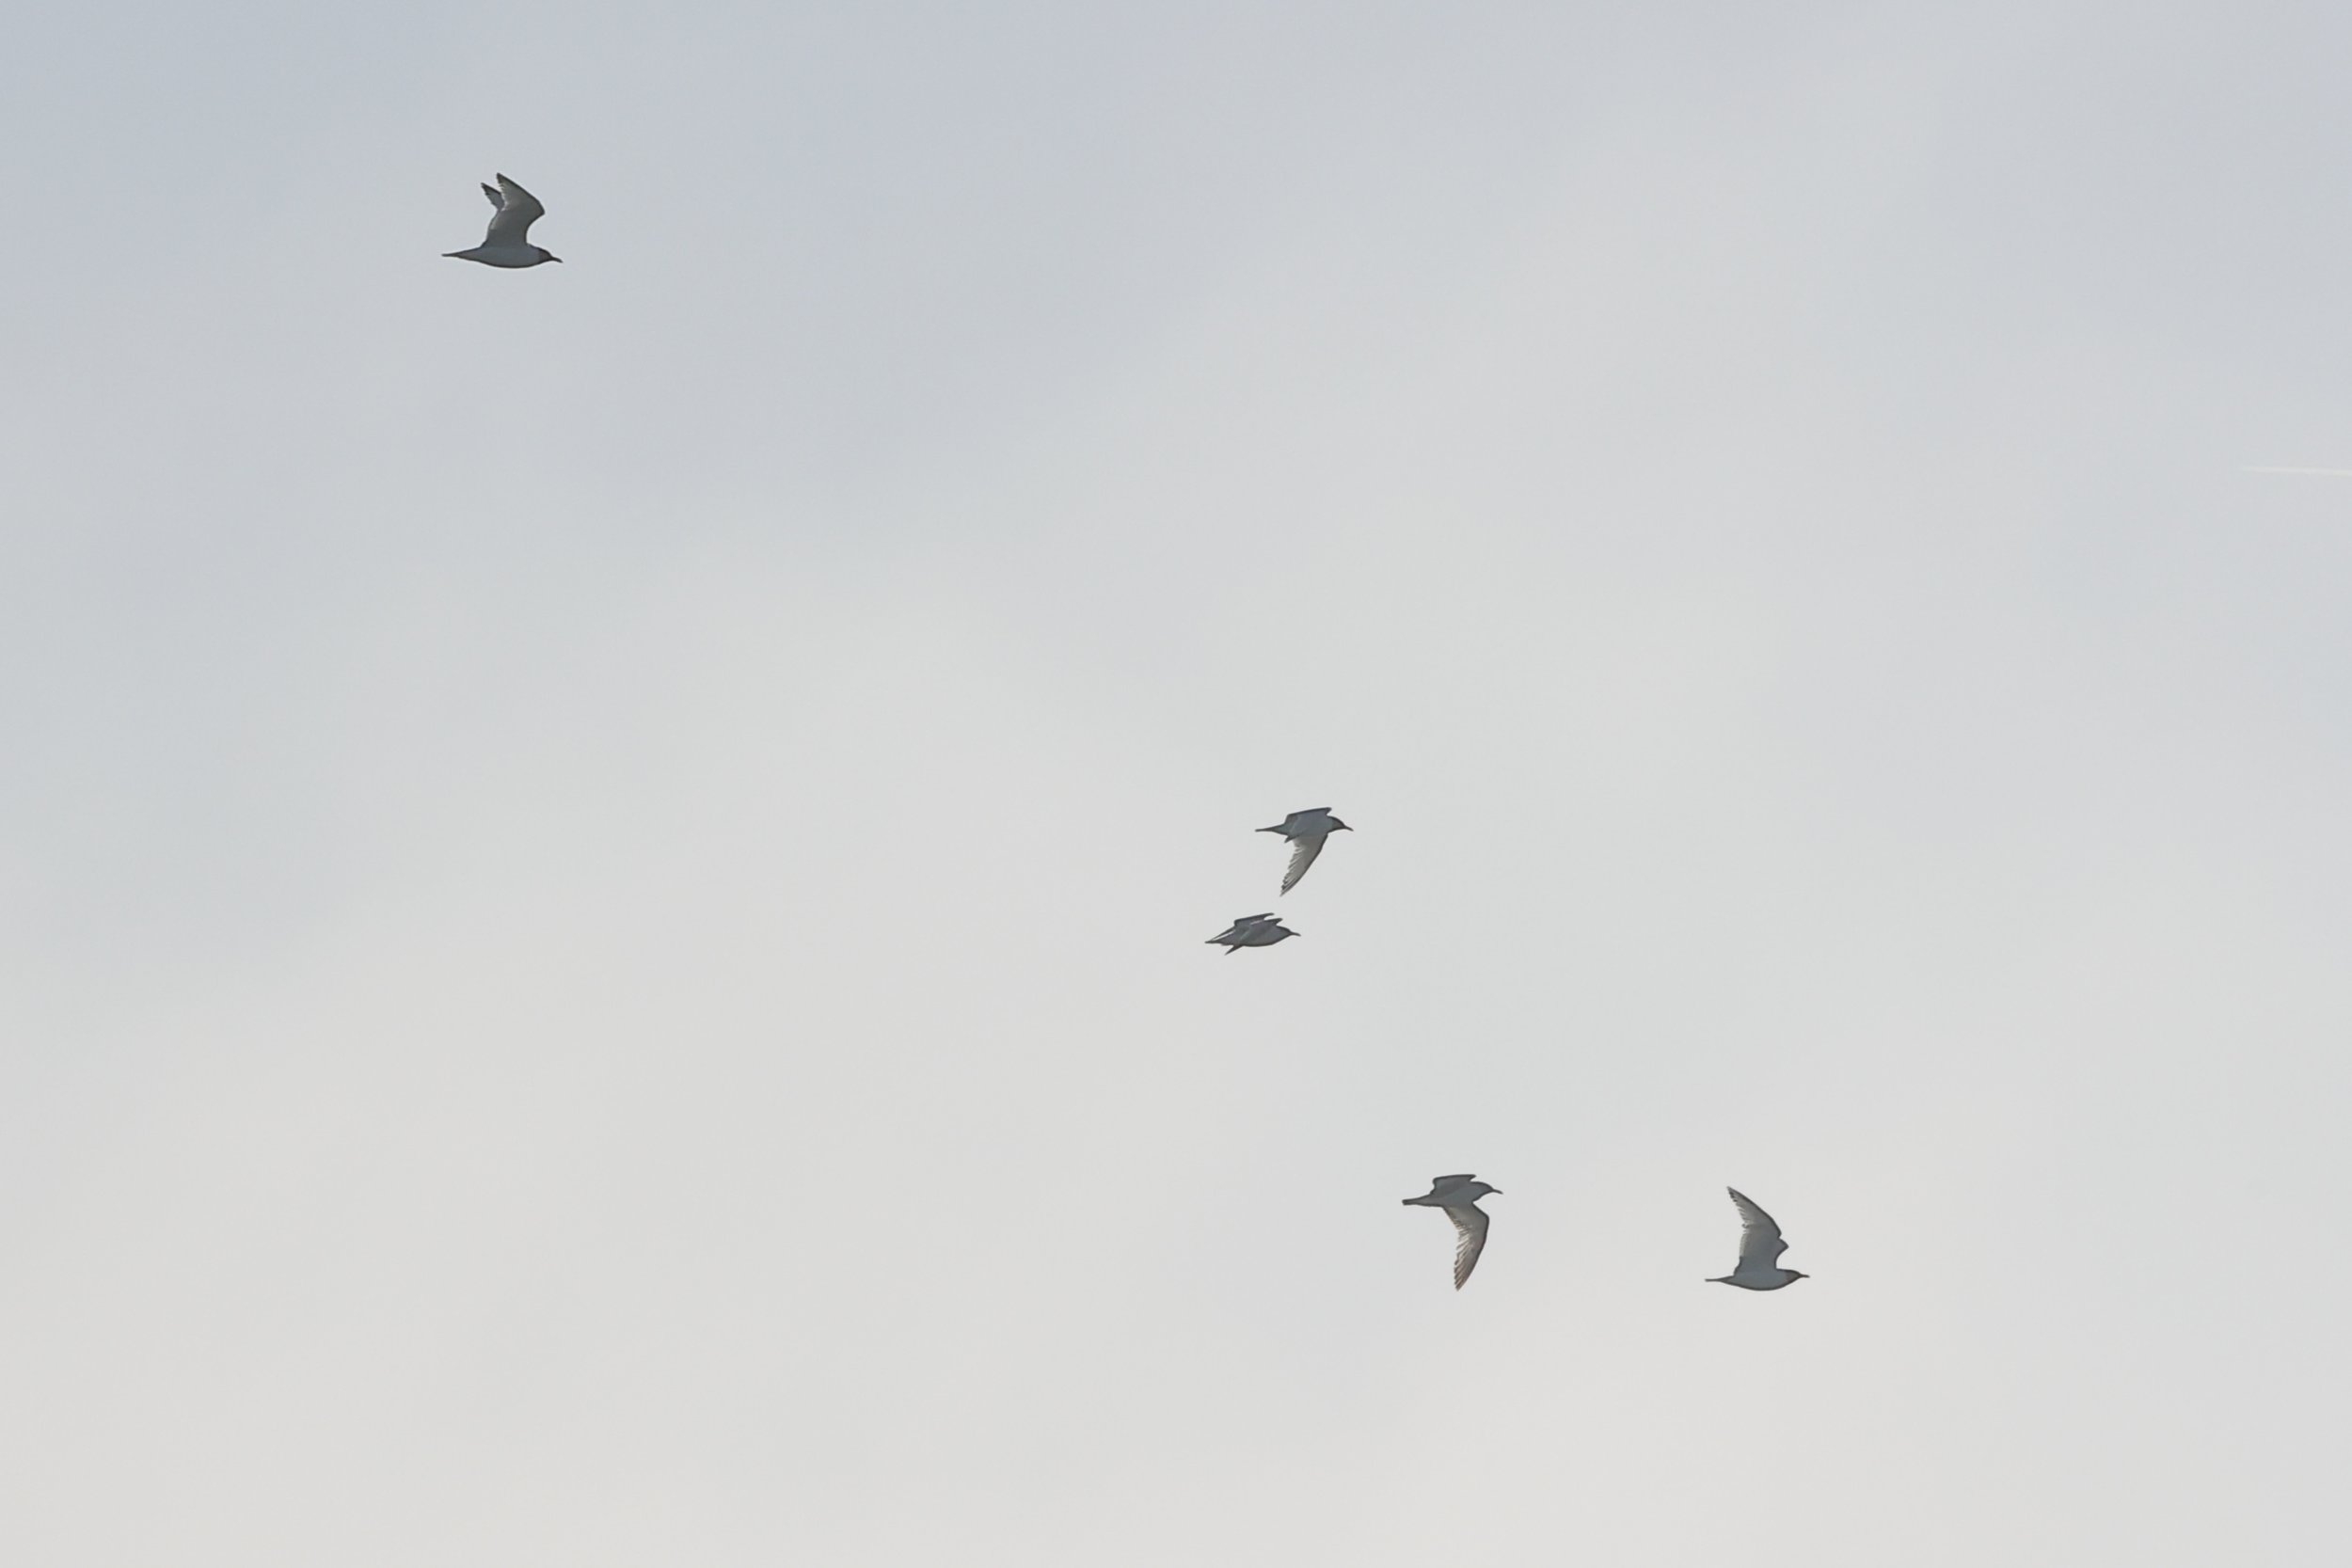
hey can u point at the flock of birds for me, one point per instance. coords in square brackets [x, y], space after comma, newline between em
[507, 244]
[1760, 1247]
[1305, 832]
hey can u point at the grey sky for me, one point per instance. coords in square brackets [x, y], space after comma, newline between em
[603, 870]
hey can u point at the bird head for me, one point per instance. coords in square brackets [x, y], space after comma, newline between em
[547, 255]
[1340, 826]
[1794, 1276]
[1480, 1189]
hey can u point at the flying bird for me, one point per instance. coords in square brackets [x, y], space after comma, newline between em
[1305, 830]
[1761, 1247]
[504, 245]
[1251, 930]
[1458, 1196]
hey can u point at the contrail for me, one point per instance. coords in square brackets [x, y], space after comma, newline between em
[2324, 473]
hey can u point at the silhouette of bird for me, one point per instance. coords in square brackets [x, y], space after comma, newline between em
[505, 246]
[1306, 831]
[1761, 1247]
[1251, 930]
[1458, 1196]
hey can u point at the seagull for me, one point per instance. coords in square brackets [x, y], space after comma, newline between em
[1252, 930]
[1761, 1247]
[504, 245]
[1458, 1196]
[1305, 830]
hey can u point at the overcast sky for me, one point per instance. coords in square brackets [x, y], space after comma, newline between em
[604, 870]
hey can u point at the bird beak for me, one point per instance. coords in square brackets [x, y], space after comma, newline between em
[555, 257]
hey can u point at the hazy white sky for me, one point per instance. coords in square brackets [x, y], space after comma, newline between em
[603, 870]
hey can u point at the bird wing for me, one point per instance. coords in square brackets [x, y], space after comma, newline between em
[1470, 1223]
[1437, 1181]
[1304, 849]
[1760, 1245]
[517, 210]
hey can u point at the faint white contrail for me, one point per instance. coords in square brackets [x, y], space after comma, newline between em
[2324, 473]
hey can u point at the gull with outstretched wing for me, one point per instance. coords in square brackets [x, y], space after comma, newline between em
[1458, 1196]
[506, 245]
[1761, 1247]
[1306, 833]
